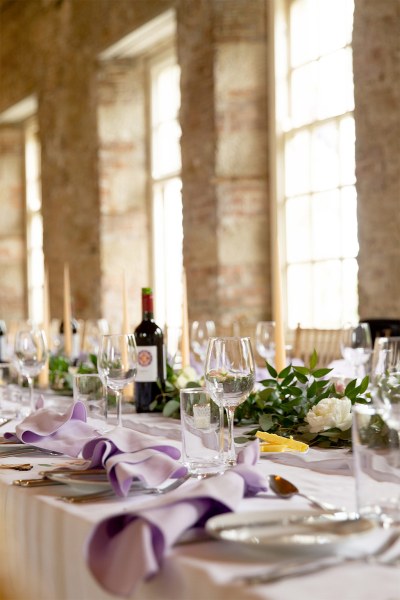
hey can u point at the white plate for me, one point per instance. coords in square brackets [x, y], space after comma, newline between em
[293, 530]
[82, 482]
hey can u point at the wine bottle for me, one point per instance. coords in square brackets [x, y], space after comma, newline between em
[3, 341]
[150, 377]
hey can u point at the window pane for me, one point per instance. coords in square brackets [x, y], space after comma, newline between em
[299, 294]
[347, 140]
[349, 291]
[349, 222]
[326, 225]
[166, 100]
[297, 164]
[304, 94]
[35, 231]
[335, 24]
[324, 157]
[335, 84]
[298, 234]
[166, 149]
[304, 31]
[327, 293]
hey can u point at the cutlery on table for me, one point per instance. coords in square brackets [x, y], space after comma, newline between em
[45, 479]
[20, 467]
[306, 567]
[286, 489]
[107, 494]
[22, 451]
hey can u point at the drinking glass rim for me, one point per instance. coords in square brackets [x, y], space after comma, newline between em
[230, 337]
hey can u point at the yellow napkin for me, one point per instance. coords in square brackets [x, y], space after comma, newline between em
[276, 443]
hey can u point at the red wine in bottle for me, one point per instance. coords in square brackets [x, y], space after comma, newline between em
[150, 377]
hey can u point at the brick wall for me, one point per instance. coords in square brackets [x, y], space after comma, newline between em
[93, 175]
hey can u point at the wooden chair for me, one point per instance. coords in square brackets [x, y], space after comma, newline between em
[326, 342]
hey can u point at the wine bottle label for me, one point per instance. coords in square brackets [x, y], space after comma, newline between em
[147, 363]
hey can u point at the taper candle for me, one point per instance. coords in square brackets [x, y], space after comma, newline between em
[185, 346]
[43, 378]
[280, 352]
[67, 313]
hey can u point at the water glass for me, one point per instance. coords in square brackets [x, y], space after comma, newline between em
[202, 425]
[377, 463]
[89, 389]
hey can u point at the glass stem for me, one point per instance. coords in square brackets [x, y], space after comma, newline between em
[118, 397]
[231, 454]
[31, 396]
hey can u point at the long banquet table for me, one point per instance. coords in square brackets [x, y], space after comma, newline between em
[43, 540]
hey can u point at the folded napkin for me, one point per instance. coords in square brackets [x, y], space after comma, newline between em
[128, 455]
[49, 430]
[127, 548]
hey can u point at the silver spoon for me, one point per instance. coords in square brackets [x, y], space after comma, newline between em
[285, 489]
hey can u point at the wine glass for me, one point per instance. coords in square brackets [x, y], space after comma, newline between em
[200, 332]
[265, 340]
[117, 364]
[30, 356]
[229, 374]
[386, 356]
[356, 346]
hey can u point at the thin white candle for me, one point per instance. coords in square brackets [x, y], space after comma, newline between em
[125, 318]
[67, 313]
[43, 378]
[128, 390]
[185, 346]
[280, 352]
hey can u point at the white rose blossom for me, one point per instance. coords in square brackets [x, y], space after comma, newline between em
[329, 413]
[187, 374]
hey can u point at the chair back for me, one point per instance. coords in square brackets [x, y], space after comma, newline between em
[326, 342]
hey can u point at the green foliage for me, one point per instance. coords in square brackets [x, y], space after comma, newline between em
[61, 371]
[285, 398]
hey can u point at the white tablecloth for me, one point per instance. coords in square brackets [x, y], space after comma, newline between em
[42, 541]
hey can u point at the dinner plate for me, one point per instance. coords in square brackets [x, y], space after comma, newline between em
[83, 482]
[8, 446]
[290, 530]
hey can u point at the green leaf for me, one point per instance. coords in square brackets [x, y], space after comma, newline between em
[321, 372]
[271, 370]
[285, 372]
[313, 360]
[266, 422]
[171, 407]
[241, 439]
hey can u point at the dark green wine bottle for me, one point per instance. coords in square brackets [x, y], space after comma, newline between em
[150, 378]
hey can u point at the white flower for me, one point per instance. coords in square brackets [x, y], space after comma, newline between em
[186, 375]
[328, 413]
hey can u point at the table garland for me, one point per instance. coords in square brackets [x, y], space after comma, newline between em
[299, 402]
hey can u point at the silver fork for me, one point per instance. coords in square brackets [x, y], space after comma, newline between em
[105, 495]
[300, 568]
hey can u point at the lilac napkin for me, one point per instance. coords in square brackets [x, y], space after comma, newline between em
[49, 430]
[127, 548]
[129, 455]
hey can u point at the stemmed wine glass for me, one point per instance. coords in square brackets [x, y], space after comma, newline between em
[265, 340]
[117, 364]
[356, 346]
[229, 374]
[200, 332]
[30, 356]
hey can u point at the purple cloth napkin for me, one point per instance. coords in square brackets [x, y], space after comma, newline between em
[129, 455]
[49, 430]
[127, 548]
